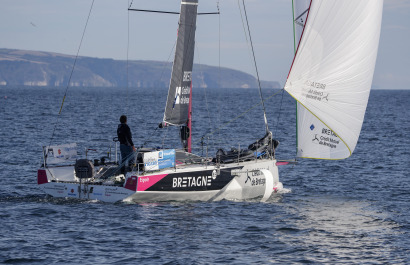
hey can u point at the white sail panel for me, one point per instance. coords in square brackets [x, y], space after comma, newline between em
[316, 140]
[332, 73]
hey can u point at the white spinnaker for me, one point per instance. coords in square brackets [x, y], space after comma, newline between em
[332, 73]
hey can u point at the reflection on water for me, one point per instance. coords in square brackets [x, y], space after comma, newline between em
[342, 229]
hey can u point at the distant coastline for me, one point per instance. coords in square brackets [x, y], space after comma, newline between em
[46, 69]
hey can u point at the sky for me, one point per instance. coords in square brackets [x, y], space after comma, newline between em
[113, 32]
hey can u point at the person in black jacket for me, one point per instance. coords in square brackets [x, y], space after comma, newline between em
[126, 145]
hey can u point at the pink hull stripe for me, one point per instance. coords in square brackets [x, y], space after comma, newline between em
[281, 163]
[41, 176]
[144, 182]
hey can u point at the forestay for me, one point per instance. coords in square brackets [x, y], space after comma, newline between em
[331, 75]
[300, 12]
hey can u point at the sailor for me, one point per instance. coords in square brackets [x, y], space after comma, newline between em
[126, 145]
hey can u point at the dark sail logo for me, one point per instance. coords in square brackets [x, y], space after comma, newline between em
[187, 77]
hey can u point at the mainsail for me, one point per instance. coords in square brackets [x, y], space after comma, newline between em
[179, 93]
[331, 75]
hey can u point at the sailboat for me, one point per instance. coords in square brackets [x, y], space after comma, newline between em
[330, 79]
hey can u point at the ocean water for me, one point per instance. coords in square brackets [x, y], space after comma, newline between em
[354, 211]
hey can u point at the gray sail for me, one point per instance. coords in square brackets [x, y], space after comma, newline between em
[177, 108]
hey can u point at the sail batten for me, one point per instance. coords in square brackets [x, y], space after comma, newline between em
[332, 73]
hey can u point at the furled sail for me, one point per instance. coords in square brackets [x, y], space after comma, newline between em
[331, 75]
[177, 107]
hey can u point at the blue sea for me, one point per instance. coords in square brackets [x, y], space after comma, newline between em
[353, 211]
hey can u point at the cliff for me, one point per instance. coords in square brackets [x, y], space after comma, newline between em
[35, 68]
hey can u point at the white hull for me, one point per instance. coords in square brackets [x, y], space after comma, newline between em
[86, 192]
[235, 181]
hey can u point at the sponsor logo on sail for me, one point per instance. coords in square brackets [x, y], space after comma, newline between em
[315, 84]
[315, 90]
[327, 138]
[182, 95]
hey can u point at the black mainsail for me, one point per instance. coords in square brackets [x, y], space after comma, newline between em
[179, 95]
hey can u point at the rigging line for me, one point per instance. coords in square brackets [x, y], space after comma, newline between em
[162, 73]
[294, 48]
[168, 61]
[279, 112]
[169, 12]
[203, 82]
[165, 135]
[204, 87]
[240, 115]
[243, 26]
[71, 74]
[128, 50]
[256, 68]
[281, 101]
[149, 138]
[219, 74]
[153, 11]
[219, 62]
[294, 30]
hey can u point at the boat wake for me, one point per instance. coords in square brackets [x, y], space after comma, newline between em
[284, 191]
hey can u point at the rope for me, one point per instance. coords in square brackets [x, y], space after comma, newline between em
[243, 27]
[128, 50]
[256, 68]
[210, 122]
[219, 64]
[279, 112]
[240, 115]
[71, 74]
[169, 12]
